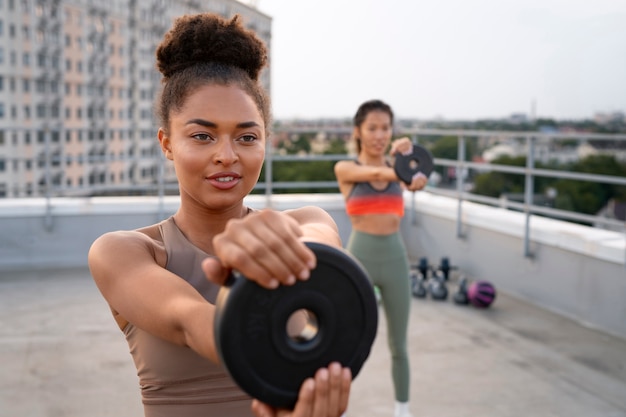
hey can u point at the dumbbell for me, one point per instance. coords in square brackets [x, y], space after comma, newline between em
[423, 267]
[445, 268]
[419, 160]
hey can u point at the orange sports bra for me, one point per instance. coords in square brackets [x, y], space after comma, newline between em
[364, 199]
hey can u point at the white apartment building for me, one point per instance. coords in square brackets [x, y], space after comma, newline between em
[77, 88]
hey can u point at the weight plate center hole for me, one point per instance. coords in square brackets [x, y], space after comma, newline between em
[302, 326]
[414, 165]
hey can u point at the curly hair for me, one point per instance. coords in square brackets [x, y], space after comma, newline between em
[203, 49]
[365, 109]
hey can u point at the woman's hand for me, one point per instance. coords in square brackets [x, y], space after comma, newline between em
[403, 145]
[326, 395]
[418, 182]
[265, 246]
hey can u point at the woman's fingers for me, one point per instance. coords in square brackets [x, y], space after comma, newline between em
[215, 271]
[402, 145]
[418, 182]
[335, 388]
[325, 395]
[266, 247]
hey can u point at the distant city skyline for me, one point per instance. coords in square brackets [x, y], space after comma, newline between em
[448, 59]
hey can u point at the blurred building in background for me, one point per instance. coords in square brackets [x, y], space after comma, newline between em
[77, 86]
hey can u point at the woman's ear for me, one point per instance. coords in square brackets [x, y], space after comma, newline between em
[166, 144]
[355, 133]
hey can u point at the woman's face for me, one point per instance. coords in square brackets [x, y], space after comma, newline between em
[375, 132]
[217, 143]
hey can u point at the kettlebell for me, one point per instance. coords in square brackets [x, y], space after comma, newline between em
[418, 289]
[437, 288]
[460, 297]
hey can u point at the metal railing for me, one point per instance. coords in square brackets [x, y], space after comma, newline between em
[529, 172]
[527, 141]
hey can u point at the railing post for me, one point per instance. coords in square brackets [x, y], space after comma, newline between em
[161, 186]
[413, 214]
[268, 172]
[48, 172]
[529, 192]
[459, 186]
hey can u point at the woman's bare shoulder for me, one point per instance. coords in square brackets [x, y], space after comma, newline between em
[345, 164]
[126, 244]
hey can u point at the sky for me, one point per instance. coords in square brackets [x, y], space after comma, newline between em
[450, 59]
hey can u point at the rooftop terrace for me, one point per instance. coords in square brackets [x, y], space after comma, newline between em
[553, 343]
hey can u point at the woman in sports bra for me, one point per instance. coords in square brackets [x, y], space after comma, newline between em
[215, 119]
[374, 203]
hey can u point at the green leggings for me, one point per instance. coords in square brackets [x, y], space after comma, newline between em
[385, 259]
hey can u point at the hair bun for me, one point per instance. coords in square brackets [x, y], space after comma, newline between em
[206, 37]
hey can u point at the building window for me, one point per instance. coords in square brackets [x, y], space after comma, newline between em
[41, 111]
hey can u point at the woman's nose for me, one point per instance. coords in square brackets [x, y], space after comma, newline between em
[225, 153]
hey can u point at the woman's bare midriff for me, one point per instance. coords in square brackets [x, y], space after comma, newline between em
[376, 224]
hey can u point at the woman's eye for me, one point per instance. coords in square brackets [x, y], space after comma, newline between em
[248, 138]
[201, 137]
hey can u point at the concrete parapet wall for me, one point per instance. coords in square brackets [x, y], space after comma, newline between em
[574, 270]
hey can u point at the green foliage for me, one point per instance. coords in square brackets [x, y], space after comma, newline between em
[302, 144]
[296, 171]
[446, 147]
[336, 147]
[572, 195]
[493, 184]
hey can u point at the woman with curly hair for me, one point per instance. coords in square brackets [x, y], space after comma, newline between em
[161, 281]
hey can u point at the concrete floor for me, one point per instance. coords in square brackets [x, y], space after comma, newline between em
[62, 355]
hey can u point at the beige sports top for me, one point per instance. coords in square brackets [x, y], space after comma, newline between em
[175, 381]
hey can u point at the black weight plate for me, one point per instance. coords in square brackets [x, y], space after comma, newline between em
[251, 327]
[420, 160]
